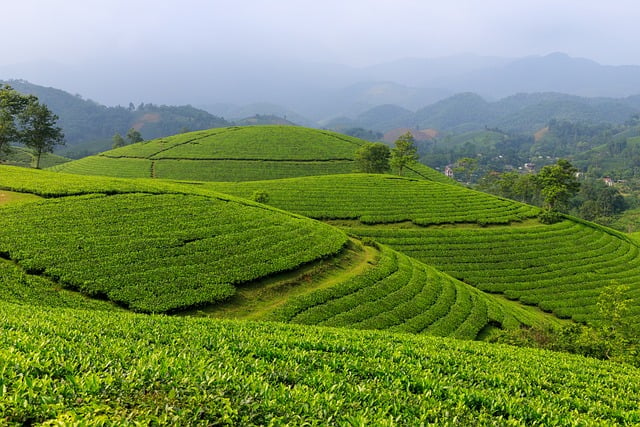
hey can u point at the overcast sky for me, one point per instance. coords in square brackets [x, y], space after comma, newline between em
[352, 32]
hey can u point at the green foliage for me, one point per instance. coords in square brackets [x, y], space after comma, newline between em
[118, 141]
[24, 120]
[557, 183]
[160, 370]
[260, 196]
[404, 153]
[376, 199]
[134, 136]
[466, 166]
[373, 158]
[38, 129]
[12, 104]
[549, 216]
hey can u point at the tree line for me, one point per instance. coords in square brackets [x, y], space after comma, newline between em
[24, 120]
[376, 157]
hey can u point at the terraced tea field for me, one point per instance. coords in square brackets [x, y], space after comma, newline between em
[562, 268]
[159, 253]
[402, 294]
[155, 248]
[378, 199]
[235, 154]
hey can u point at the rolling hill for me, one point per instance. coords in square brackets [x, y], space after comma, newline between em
[494, 244]
[234, 154]
[407, 255]
[159, 247]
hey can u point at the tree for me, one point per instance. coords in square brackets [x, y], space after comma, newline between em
[557, 183]
[38, 129]
[118, 141]
[134, 136]
[466, 166]
[12, 103]
[404, 152]
[373, 158]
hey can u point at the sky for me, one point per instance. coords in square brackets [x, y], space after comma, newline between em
[351, 32]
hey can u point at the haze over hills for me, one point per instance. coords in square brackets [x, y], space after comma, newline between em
[321, 91]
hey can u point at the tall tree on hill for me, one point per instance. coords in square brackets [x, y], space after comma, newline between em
[557, 183]
[134, 136]
[12, 103]
[404, 152]
[38, 129]
[373, 158]
[118, 141]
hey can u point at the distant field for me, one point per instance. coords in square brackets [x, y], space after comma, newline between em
[235, 154]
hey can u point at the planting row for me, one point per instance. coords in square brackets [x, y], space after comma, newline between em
[402, 294]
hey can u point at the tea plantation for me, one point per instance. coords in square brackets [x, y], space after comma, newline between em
[87, 367]
[154, 247]
[235, 154]
[109, 287]
[562, 268]
[378, 199]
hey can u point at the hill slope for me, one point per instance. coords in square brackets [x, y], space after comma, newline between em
[161, 247]
[234, 154]
[563, 268]
[377, 199]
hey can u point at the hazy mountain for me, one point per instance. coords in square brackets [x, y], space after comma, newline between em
[89, 126]
[556, 72]
[525, 113]
[321, 91]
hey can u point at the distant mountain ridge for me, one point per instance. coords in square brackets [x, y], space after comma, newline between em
[90, 126]
[523, 112]
[321, 92]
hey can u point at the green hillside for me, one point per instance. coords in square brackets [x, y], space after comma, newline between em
[154, 246]
[159, 252]
[161, 370]
[562, 268]
[377, 199]
[234, 154]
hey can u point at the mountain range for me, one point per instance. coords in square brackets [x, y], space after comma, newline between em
[319, 92]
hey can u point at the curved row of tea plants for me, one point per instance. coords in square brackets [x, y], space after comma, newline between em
[159, 253]
[375, 199]
[18, 287]
[402, 294]
[160, 370]
[563, 268]
[235, 154]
